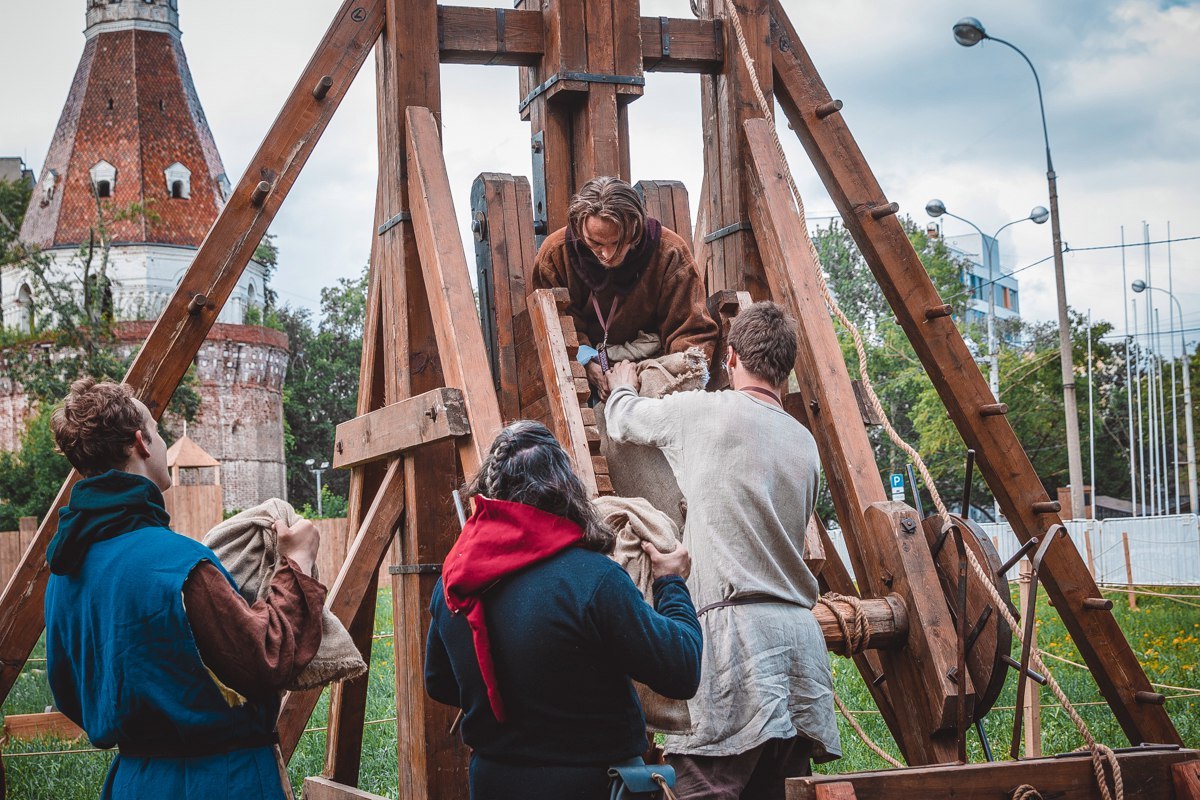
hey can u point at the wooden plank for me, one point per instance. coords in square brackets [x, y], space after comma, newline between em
[567, 421]
[448, 283]
[840, 790]
[348, 590]
[326, 789]
[695, 45]
[961, 386]
[1186, 777]
[883, 563]
[430, 417]
[48, 725]
[1147, 775]
[510, 37]
[177, 336]
[667, 201]
[348, 698]
[10, 554]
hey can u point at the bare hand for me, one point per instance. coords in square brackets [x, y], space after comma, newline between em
[624, 374]
[677, 562]
[598, 378]
[300, 543]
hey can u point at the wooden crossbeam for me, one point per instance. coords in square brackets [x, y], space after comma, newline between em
[327, 789]
[959, 384]
[883, 563]
[49, 724]
[1147, 776]
[434, 416]
[177, 336]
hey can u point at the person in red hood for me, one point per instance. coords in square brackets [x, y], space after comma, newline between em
[536, 634]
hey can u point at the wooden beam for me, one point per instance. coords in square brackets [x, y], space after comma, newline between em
[1147, 776]
[667, 201]
[326, 789]
[962, 388]
[348, 590]
[515, 38]
[430, 417]
[50, 724]
[177, 336]
[561, 383]
[448, 284]
[887, 621]
[1186, 777]
[881, 534]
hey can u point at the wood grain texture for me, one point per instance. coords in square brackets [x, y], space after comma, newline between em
[327, 789]
[50, 724]
[434, 416]
[959, 384]
[177, 336]
[1186, 778]
[1148, 776]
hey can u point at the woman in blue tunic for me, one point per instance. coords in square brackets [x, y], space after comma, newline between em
[123, 659]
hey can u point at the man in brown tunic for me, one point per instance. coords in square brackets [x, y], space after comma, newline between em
[627, 275]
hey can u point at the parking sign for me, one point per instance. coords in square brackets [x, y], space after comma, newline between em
[897, 486]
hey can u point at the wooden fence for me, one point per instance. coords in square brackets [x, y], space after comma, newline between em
[335, 538]
[195, 510]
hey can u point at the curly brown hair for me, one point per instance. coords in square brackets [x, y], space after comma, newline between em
[764, 338]
[95, 425]
[610, 199]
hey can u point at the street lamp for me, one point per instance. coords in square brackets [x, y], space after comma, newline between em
[1138, 287]
[969, 32]
[936, 208]
[317, 470]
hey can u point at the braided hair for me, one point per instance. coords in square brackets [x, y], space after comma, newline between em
[526, 464]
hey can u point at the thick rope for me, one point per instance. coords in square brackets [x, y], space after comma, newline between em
[1098, 754]
[1026, 792]
[867, 740]
[856, 632]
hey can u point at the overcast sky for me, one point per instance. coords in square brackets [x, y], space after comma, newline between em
[1121, 81]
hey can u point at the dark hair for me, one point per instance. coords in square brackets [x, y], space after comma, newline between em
[95, 425]
[526, 464]
[764, 338]
[611, 199]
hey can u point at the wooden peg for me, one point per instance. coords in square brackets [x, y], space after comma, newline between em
[1150, 698]
[1047, 507]
[933, 312]
[260, 193]
[322, 88]
[879, 212]
[197, 304]
[1097, 604]
[829, 109]
[993, 410]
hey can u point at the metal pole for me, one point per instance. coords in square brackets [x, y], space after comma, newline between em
[1091, 423]
[1165, 487]
[320, 511]
[1187, 425]
[1140, 416]
[993, 359]
[1133, 494]
[1151, 444]
[1174, 389]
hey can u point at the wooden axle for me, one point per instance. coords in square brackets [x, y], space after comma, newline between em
[887, 620]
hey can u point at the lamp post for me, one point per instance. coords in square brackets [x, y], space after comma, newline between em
[1039, 215]
[317, 470]
[969, 32]
[1140, 286]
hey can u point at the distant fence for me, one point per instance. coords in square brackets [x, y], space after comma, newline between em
[335, 540]
[1163, 551]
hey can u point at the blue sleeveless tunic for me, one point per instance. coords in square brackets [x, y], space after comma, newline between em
[123, 664]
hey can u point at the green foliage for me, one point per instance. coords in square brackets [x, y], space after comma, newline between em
[333, 505]
[31, 477]
[322, 384]
[267, 254]
[14, 199]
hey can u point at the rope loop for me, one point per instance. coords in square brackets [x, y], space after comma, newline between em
[1026, 792]
[856, 632]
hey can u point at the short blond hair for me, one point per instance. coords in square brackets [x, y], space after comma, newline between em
[611, 199]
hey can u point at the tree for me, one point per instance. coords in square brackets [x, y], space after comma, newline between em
[322, 384]
[14, 199]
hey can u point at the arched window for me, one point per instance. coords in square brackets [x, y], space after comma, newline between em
[24, 308]
[104, 176]
[251, 296]
[179, 181]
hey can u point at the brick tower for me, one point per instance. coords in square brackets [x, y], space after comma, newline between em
[133, 131]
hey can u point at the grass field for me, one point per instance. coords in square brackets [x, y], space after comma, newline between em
[1164, 633]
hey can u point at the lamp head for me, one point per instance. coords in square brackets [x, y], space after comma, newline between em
[969, 32]
[1039, 214]
[309, 463]
[1138, 286]
[935, 208]
[324, 465]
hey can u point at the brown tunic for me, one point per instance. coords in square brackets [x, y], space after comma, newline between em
[255, 649]
[667, 300]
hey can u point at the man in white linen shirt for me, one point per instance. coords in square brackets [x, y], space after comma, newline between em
[750, 474]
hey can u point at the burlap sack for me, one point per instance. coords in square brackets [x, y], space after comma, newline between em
[248, 547]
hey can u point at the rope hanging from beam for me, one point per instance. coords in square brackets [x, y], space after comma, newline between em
[1100, 754]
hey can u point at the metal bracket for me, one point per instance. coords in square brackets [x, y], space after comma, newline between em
[403, 216]
[721, 233]
[415, 569]
[663, 22]
[582, 77]
[501, 49]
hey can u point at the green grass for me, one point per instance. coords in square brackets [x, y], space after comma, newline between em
[1164, 634]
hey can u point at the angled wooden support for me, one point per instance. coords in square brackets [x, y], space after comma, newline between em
[346, 595]
[882, 536]
[177, 336]
[502, 221]
[962, 388]
[1146, 771]
[434, 416]
[448, 284]
[327, 789]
